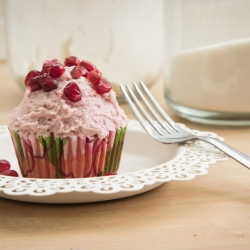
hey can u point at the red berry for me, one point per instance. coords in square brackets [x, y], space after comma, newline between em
[9, 173]
[47, 64]
[88, 65]
[47, 82]
[103, 87]
[55, 61]
[56, 70]
[78, 71]
[71, 61]
[4, 165]
[72, 92]
[31, 74]
[34, 84]
[94, 76]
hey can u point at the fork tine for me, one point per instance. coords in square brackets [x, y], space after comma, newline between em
[153, 113]
[158, 107]
[135, 111]
[148, 118]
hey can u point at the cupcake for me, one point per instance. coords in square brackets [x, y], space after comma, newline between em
[69, 124]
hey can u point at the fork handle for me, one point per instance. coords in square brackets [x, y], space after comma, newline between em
[230, 151]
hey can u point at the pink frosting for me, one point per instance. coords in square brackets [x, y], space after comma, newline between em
[42, 112]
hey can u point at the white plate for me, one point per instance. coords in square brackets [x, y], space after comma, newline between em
[145, 165]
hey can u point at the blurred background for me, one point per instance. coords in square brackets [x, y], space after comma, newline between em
[115, 35]
[3, 53]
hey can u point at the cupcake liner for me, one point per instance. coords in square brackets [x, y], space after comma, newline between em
[72, 157]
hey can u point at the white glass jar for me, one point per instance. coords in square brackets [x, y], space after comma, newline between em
[123, 38]
[207, 66]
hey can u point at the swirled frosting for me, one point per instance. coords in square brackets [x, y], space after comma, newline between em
[43, 113]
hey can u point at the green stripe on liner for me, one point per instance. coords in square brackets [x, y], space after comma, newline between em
[49, 149]
[54, 151]
[114, 151]
[118, 152]
[113, 156]
[58, 147]
[19, 145]
[110, 154]
[41, 140]
[20, 150]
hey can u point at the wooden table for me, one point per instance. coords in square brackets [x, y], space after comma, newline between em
[209, 212]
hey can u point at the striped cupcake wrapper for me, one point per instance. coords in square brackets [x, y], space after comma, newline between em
[72, 157]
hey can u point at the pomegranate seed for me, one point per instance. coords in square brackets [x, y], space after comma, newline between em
[47, 83]
[78, 71]
[94, 76]
[88, 65]
[9, 173]
[103, 87]
[34, 84]
[31, 74]
[56, 70]
[47, 64]
[4, 165]
[72, 92]
[71, 61]
[110, 173]
[55, 61]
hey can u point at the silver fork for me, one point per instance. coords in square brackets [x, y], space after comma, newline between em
[164, 129]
